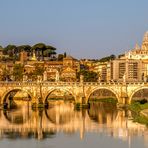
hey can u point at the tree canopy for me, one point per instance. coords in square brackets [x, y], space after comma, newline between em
[89, 76]
[108, 58]
[18, 71]
[41, 50]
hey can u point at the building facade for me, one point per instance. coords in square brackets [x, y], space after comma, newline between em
[133, 65]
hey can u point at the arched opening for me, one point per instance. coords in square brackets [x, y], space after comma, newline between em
[60, 106]
[140, 95]
[103, 108]
[17, 98]
[57, 96]
[102, 95]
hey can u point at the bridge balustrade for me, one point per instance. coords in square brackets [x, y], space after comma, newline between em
[33, 83]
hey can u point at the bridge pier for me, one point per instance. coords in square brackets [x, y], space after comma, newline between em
[123, 101]
[81, 102]
[37, 98]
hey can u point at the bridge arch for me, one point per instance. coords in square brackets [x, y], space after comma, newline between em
[99, 88]
[135, 91]
[4, 96]
[54, 89]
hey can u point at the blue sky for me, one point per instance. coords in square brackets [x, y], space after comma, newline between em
[82, 28]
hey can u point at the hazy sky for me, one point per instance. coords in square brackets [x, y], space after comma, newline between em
[82, 28]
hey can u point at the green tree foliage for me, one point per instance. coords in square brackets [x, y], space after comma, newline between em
[18, 71]
[50, 47]
[26, 48]
[50, 51]
[65, 55]
[60, 57]
[10, 50]
[39, 70]
[121, 55]
[105, 59]
[40, 48]
[43, 50]
[89, 76]
[1, 47]
[5, 74]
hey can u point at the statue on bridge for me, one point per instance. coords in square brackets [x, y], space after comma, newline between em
[57, 76]
[45, 75]
[81, 78]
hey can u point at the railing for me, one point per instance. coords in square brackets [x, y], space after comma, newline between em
[46, 83]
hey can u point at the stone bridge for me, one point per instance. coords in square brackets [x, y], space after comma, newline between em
[81, 91]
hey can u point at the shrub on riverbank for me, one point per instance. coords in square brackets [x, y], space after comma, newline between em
[136, 107]
[109, 100]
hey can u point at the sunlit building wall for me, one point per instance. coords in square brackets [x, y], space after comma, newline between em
[133, 65]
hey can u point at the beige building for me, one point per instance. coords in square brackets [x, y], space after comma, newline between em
[103, 70]
[70, 68]
[64, 70]
[133, 66]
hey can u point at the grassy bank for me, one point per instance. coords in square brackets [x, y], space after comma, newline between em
[109, 100]
[136, 107]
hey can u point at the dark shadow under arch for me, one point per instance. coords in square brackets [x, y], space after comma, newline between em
[102, 93]
[140, 94]
[13, 92]
[59, 94]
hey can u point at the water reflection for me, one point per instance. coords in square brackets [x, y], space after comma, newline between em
[62, 117]
[102, 112]
[60, 113]
[20, 115]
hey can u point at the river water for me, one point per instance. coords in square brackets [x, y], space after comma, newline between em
[62, 126]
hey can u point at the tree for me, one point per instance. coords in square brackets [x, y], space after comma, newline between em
[44, 50]
[65, 55]
[60, 57]
[105, 59]
[26, 48]
[10, 50]
[89, 76]
[5, 74]
[18, 71]
[50, 50]
[39, 49]
[39, 70]
[1, 47]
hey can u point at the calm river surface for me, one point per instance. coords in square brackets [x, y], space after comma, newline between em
[61, 126]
